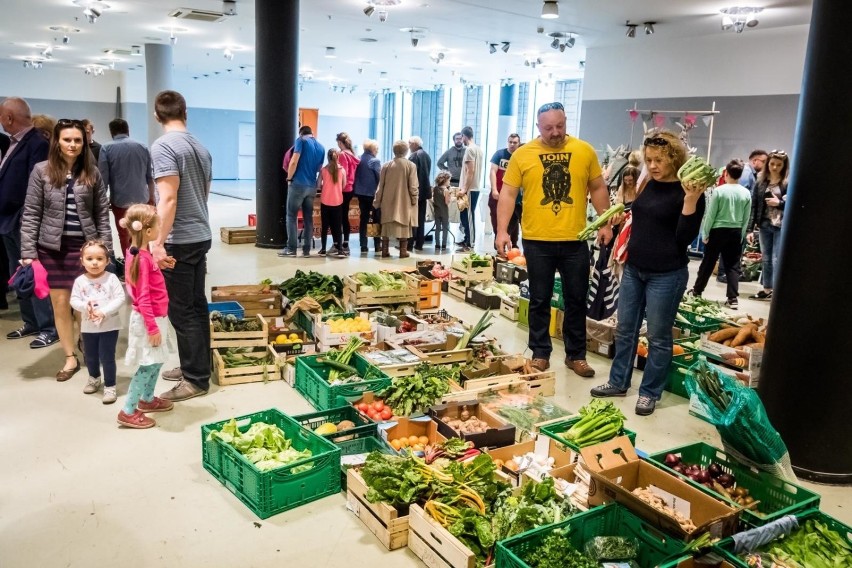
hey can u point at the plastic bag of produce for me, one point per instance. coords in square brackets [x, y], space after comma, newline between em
[612, 548]
[740, 418]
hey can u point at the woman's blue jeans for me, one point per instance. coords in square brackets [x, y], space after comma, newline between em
[770, 246]
[655, 296]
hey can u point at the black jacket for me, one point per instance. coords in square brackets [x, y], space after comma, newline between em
[15, 177]
[424, 167]
[758, 203]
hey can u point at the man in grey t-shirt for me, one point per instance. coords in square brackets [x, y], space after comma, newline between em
[470, 182]
[183, 170]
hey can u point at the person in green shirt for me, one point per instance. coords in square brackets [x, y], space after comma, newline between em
[723, 231]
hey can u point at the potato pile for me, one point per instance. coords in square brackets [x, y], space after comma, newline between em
[466, 424]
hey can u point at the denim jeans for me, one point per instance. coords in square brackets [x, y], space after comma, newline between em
[655, 296]
[300, 197]
[770, 247]
[442, 231]
[188, 309]
[36, 313]
[100, 351]
[571, 259]
[467, 217]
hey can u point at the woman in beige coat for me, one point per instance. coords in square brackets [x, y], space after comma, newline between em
[397, 199]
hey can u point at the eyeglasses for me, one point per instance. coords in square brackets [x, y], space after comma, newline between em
[655, 141]
[550, 106]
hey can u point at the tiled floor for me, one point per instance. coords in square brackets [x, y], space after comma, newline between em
[75, 490]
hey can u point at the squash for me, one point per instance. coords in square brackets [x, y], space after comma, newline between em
[519, 260]
[515, 252]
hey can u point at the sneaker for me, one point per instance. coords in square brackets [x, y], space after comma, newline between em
[286, 252]
[156, 404]
[580, 367]
[342, 253]
[322, 252]
[364, 250]
[136, 420]
[540, 364]
[463, 248]
[173, 375]
[109, 395]
[184, 390]
[723, 280]
[346, 248]
[732, 303]
[762, 295]
[305, 253]
[645, 405]
[333, 251]
[607, 390]
[22, 331]
[92, 385]
[43, 340]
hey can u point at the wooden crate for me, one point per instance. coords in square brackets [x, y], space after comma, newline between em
[442, 353]
[509, 309]
[471, 273]
[427, 286]
[241, 375]
[359, 297]
[253, 298]
[240, 338]
[430, 302]
[382, 519]
[238, 235]
[434, 545]
[457, 289]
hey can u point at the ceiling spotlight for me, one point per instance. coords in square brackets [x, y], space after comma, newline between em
[92, 14]
[555, 43]
[571, 41]
[330, 53]
[737, 18]
[136, 51]
[246, 82]
[437, 57]
[229, 7]
[383, 16]
[649, 28]
[492, 48]
[562, 48]
[631, 30]
[229, 55]
[582, 65]
[368, 11]
[414, 41]
[550, 10]
[172, 38]
[504, 46]
[66, 39]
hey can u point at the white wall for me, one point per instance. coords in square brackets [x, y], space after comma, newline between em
[56, 83]
[756, 62]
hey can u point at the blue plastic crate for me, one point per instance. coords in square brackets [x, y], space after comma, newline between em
[226, 308]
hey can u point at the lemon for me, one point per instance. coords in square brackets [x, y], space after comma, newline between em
[282, 339]
[325, 429]
[294, 337]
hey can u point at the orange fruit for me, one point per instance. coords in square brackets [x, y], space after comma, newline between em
[413, 440]
[424, 440]
[396, 444]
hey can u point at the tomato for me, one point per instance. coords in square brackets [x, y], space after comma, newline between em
[378, 406]
[386, 413]
[373, 415]
[364, 407]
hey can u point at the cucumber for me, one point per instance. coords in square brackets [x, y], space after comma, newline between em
[337, 366]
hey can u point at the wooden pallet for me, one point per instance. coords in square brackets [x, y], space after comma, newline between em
[223, 376]
[382, 519]
[238, 235]
[240, 338]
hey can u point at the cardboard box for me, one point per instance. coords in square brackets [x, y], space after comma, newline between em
[524, 311]
[482, 300]
[602, 331]
[498, 434]
[726, 355]
[406, 427]
[605, 349]
[557, 319]
[541, 446]
[616, 471]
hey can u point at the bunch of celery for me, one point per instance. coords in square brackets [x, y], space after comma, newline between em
[601, 421]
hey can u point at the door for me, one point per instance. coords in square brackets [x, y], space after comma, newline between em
[247, 152]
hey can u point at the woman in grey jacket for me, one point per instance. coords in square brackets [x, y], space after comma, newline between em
[66, 205]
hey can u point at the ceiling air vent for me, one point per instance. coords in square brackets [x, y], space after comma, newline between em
[197, 15]
[115, 51]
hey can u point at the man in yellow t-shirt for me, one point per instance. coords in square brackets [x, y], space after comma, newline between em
[559, 174]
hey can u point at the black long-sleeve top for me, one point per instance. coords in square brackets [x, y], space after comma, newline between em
[660, 233]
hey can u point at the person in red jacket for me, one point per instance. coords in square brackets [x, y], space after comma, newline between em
[348, 162]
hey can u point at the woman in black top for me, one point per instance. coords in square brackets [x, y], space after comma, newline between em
[666, 219]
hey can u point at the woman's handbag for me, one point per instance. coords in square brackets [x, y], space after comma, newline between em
[374, 229]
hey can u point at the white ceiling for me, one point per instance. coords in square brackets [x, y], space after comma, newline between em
[461, 29]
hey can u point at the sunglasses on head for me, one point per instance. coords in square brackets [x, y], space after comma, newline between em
[655, 141]
[63, 122]
[550, 106]
[778, 154]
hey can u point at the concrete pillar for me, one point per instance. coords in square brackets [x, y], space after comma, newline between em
[507, 119]
[158, 77]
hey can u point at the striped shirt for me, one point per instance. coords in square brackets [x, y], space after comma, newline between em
[72, 227]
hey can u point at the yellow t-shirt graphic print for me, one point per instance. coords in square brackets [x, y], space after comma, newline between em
[555, 183]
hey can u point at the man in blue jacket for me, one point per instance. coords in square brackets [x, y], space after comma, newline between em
[27, 148]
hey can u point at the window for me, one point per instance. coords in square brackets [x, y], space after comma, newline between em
[568, 93]
[427, 122]
[523, 110]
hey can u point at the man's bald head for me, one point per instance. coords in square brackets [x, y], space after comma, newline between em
[15, 115]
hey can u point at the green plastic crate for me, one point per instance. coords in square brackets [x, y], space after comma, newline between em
[312, 382]
[610, 520]
[524, 312]
[359, 445]
[314, 420]
[556, 429]
[676, 378]
[696, 325]
[268, 493]
[777, 497]
[726, 547]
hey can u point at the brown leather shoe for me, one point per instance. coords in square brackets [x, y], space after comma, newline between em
[540, 364]
[184, 390]
[64, 374]
[581, 367]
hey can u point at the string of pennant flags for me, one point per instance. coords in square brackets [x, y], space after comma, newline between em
[659, 118]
